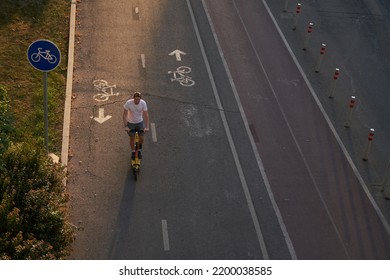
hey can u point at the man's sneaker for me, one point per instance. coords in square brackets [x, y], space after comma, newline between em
[133, 155]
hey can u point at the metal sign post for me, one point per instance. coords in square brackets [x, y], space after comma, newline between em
[44, 56]
[45, 100]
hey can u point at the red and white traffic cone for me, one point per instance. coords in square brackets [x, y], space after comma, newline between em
[320, 58]
[333, 84]
[370, 138]
[352, 103]
[297, 13]
[308, 33]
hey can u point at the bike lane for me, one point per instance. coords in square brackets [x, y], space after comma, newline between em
[326, 211]
[188, 203]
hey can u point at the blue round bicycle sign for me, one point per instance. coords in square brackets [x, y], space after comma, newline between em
[44, 55]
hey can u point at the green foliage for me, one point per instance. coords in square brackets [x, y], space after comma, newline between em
[21, 23]
[5, 124]
[29, 9]
[33, 219]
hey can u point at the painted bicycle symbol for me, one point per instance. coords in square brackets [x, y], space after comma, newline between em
[51, 58]
[180, 75]
[106, 91]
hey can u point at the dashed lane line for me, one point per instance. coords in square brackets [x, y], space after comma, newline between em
[154, 133]
[253, 144]
[164, 226]
[244, 184]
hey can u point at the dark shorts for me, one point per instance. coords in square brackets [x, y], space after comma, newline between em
[134, 126]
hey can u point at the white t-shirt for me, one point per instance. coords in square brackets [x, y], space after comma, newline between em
[135, 112]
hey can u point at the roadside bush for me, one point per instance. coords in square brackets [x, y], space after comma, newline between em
[5, 123]
[33, 215]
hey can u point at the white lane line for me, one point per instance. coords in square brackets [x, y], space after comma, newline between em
[291, 131]
[340, 142]
[143, 60]
[153, 129]
[253, 144]
[244, 185]
[164, 225]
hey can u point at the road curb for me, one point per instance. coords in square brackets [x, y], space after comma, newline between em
[69, 85]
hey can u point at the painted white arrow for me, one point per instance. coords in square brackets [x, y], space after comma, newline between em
[101, 119]
[178, 54]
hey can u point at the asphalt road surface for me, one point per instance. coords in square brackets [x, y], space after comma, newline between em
[241, 164]
[357, 36]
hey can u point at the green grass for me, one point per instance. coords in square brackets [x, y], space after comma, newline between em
[21, 23]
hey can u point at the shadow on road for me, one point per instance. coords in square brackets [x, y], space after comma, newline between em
[122, 227]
